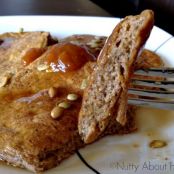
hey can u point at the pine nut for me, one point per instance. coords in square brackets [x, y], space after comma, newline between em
[157, 144]
[52, 92]
[21, 30]
[56, 112]
[3, 81]
[72, 97]
[64, 105]
[42, 67]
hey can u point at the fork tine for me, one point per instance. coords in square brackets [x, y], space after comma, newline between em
[152, 83]
[160, 104]
[151, 92]
[152, 88]
[163, 72]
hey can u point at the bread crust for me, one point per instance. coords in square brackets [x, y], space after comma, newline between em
[98, 106]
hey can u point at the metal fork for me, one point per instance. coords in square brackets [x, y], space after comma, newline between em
[153, 87]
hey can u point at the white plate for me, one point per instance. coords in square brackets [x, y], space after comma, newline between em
[114, 154]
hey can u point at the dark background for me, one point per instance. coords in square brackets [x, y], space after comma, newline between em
[164, 9]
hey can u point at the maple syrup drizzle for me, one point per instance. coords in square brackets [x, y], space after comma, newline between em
[32, 54]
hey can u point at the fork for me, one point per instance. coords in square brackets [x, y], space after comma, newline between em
[152, 87]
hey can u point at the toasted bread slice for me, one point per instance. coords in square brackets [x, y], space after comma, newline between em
[106, 94]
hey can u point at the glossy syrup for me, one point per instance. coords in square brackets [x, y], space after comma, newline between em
[67, 57]
[31, 55]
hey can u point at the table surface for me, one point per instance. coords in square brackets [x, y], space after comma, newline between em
[51, 7]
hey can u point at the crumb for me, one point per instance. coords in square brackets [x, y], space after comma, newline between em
[157, 144]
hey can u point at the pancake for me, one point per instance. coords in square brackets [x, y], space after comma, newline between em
[30, 137]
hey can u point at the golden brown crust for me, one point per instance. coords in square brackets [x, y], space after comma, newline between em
[14, 46]
[30, 138]
[109, 81]
[142, 35]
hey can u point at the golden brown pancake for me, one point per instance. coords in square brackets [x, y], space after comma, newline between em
[29, 137]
